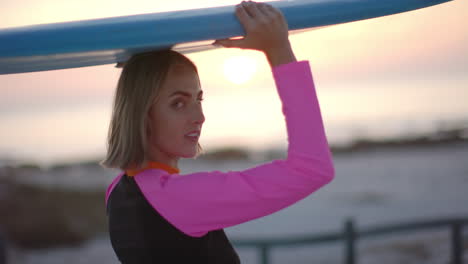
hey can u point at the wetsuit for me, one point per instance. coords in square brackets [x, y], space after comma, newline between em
[160, 216]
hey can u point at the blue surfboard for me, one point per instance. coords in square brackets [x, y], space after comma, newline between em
[112, 40]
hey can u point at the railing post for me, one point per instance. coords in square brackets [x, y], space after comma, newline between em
[350, 237]
[456, 229]
[264, 254]
[3, 250]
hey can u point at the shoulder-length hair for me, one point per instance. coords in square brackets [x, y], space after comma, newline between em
[138, 88]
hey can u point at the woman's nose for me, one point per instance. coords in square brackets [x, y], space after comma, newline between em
[199, 117]
[201, 120]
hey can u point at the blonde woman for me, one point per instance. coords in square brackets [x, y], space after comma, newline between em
[158, 215]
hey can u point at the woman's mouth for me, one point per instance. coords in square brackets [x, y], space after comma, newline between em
[193, 136]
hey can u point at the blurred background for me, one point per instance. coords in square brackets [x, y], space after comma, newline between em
[392, 92]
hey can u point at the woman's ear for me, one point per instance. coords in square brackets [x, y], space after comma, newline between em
[148, 125]
[149, 114]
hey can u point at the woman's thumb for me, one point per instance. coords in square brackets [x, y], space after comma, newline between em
[228, 43]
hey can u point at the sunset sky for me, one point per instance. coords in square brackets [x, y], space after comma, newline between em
[405, 58]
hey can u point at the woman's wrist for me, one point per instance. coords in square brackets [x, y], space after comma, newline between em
[280, 55]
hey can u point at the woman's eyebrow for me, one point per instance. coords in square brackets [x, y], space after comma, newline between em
[185, 93]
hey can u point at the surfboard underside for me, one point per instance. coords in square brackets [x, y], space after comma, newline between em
[112, 40]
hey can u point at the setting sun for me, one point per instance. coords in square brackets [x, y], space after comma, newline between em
[239, 69]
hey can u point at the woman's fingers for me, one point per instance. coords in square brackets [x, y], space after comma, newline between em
[244, 17]
[252, 9]
[265, 10]
[246, 21]
[276, 12]
[264, 25]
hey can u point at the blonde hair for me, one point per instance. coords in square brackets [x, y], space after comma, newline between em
[138, 88]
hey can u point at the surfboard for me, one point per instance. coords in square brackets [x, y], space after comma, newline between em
[112, 40]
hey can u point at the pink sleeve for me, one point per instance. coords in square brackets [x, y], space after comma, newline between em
[200, 202]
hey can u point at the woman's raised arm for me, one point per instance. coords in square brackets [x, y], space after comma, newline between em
[200, 202]
[197, 203]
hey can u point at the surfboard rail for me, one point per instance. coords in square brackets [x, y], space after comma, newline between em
[112, 40]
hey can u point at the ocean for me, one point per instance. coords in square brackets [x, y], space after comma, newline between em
[65, 128]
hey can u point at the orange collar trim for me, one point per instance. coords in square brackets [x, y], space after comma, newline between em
[153, 165]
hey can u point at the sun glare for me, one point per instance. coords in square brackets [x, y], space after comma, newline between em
[239, 69]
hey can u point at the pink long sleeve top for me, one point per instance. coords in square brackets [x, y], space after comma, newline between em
[199, 202]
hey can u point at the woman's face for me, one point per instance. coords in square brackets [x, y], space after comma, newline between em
[176, 114]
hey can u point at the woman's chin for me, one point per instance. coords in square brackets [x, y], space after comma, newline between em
[189, 155]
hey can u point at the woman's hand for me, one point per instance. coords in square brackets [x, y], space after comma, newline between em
[266, 30]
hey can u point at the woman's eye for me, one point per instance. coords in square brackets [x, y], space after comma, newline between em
[177, 103]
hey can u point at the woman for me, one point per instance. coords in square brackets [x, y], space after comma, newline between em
[157, 215]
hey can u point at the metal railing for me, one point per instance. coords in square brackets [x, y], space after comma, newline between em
[350, 235]
[3, 256]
